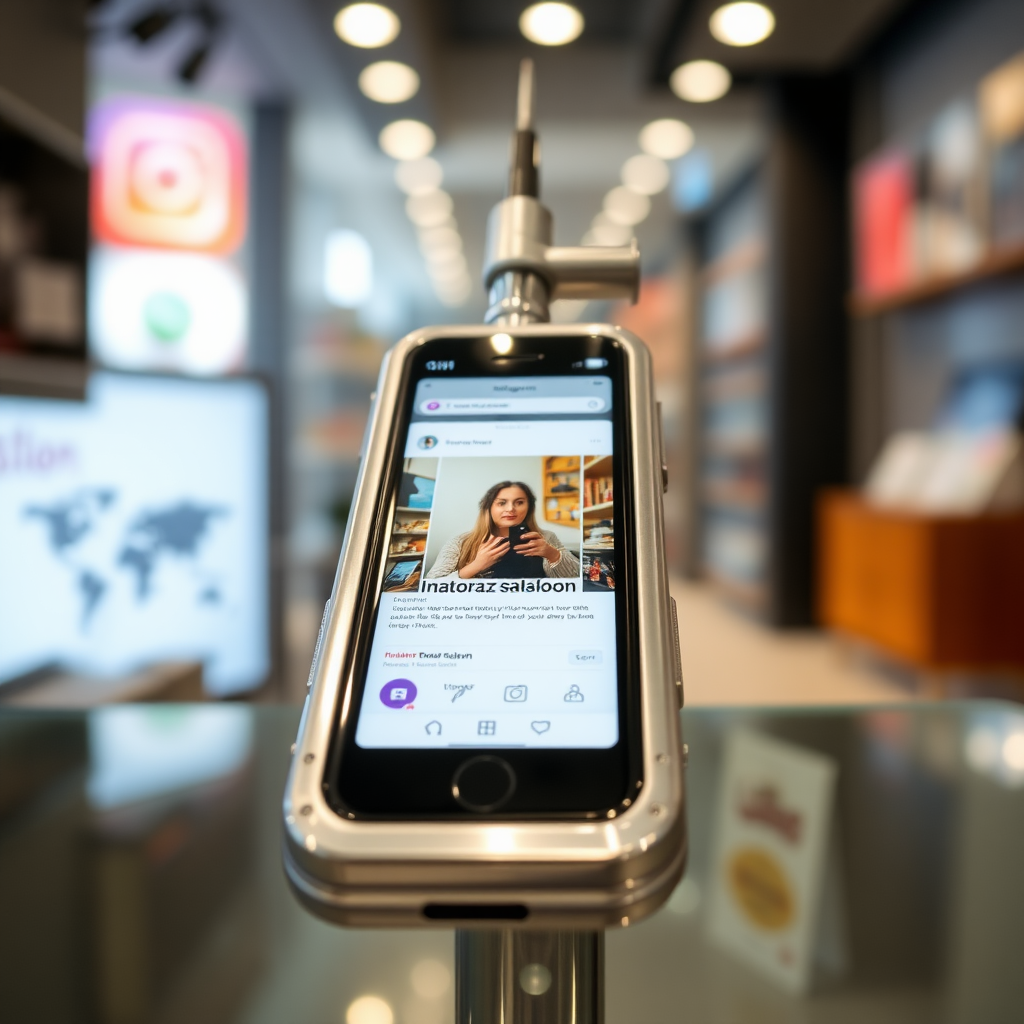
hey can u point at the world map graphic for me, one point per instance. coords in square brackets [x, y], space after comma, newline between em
[152, 535]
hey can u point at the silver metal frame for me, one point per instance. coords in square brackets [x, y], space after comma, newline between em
[573, 874]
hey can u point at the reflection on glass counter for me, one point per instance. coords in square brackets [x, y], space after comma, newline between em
[140, 876]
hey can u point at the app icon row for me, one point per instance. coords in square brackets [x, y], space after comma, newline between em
[401, 693]
[486, 727]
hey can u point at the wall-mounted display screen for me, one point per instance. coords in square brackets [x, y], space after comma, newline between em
[133, 528]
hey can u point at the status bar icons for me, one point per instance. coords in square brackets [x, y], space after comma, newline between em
[167, 174]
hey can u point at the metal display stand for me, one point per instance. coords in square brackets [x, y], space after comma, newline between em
[521, 977]
[514, 976]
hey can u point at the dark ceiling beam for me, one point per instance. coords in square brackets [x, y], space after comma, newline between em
[664, 62]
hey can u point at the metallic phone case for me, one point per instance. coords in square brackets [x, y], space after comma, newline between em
[571, 874]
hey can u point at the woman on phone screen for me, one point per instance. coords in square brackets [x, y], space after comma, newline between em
[485, 550]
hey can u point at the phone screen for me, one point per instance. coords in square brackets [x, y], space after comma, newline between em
[496, 621]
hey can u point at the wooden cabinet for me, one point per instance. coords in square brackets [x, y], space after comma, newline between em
[938, 592]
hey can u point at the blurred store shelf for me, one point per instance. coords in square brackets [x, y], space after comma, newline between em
[43, 377]
[994, 265]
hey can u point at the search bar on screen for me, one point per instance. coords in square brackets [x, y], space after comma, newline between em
[512, 406]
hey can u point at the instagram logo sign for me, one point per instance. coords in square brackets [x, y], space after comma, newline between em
[165, 174]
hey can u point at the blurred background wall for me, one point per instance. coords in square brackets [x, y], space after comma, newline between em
[215, 218]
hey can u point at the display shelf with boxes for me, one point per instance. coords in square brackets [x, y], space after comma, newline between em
[943, 209]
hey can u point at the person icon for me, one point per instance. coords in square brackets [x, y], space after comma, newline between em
[574, 696]
[428, 441]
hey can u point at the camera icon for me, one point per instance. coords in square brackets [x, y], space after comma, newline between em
[168, 175]
[515, 694]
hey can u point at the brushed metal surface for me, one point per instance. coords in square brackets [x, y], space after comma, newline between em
[519, 240]
[529, 977]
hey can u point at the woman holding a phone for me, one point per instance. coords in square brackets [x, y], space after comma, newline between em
[506, 541]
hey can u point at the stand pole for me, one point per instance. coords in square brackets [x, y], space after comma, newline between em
[523, 977]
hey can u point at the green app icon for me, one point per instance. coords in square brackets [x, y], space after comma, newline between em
[167, 316]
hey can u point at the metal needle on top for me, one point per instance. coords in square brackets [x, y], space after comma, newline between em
[524, 104]
[525, 158]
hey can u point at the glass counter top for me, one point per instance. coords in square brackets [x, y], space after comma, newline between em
[141, 878]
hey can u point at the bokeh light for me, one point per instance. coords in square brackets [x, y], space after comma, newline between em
[645, 174]
[667, 138]
[369, 1010]
[742, 24]
[416, 177]
[367, 25]
[389, 81]
[700, 81]
[407, 139]
[624, 206]
[430, 209]
[551, 24]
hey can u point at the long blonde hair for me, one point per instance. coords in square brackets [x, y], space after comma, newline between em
[484, 527]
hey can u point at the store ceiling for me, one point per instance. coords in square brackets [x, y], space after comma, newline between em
[810, 36]
[594, 96]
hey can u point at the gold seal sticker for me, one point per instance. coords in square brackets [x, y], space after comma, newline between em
[761, 888]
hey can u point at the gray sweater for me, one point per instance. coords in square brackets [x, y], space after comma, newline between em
[447, 563]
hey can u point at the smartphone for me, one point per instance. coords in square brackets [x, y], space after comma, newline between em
[491, 743]
[515, 535]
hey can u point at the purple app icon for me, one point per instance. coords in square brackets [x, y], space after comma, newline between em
[433, 405]
[398, 693]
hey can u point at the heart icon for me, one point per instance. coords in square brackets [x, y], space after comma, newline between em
[539, 727]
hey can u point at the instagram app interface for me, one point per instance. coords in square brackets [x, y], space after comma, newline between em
[496, 624]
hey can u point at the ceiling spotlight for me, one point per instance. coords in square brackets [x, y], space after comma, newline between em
[369, 1010]
[430, 210]
[742, 24]
[501, 343]
[645, 174]
[666, 138]
[389, 81]
[416, 177]
[624, 206]
[551, 24]
[407, 140]
[367, 25]
[700, 81]
[1013, 751]
[152, 24]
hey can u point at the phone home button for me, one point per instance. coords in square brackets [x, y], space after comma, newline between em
[483, 783]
